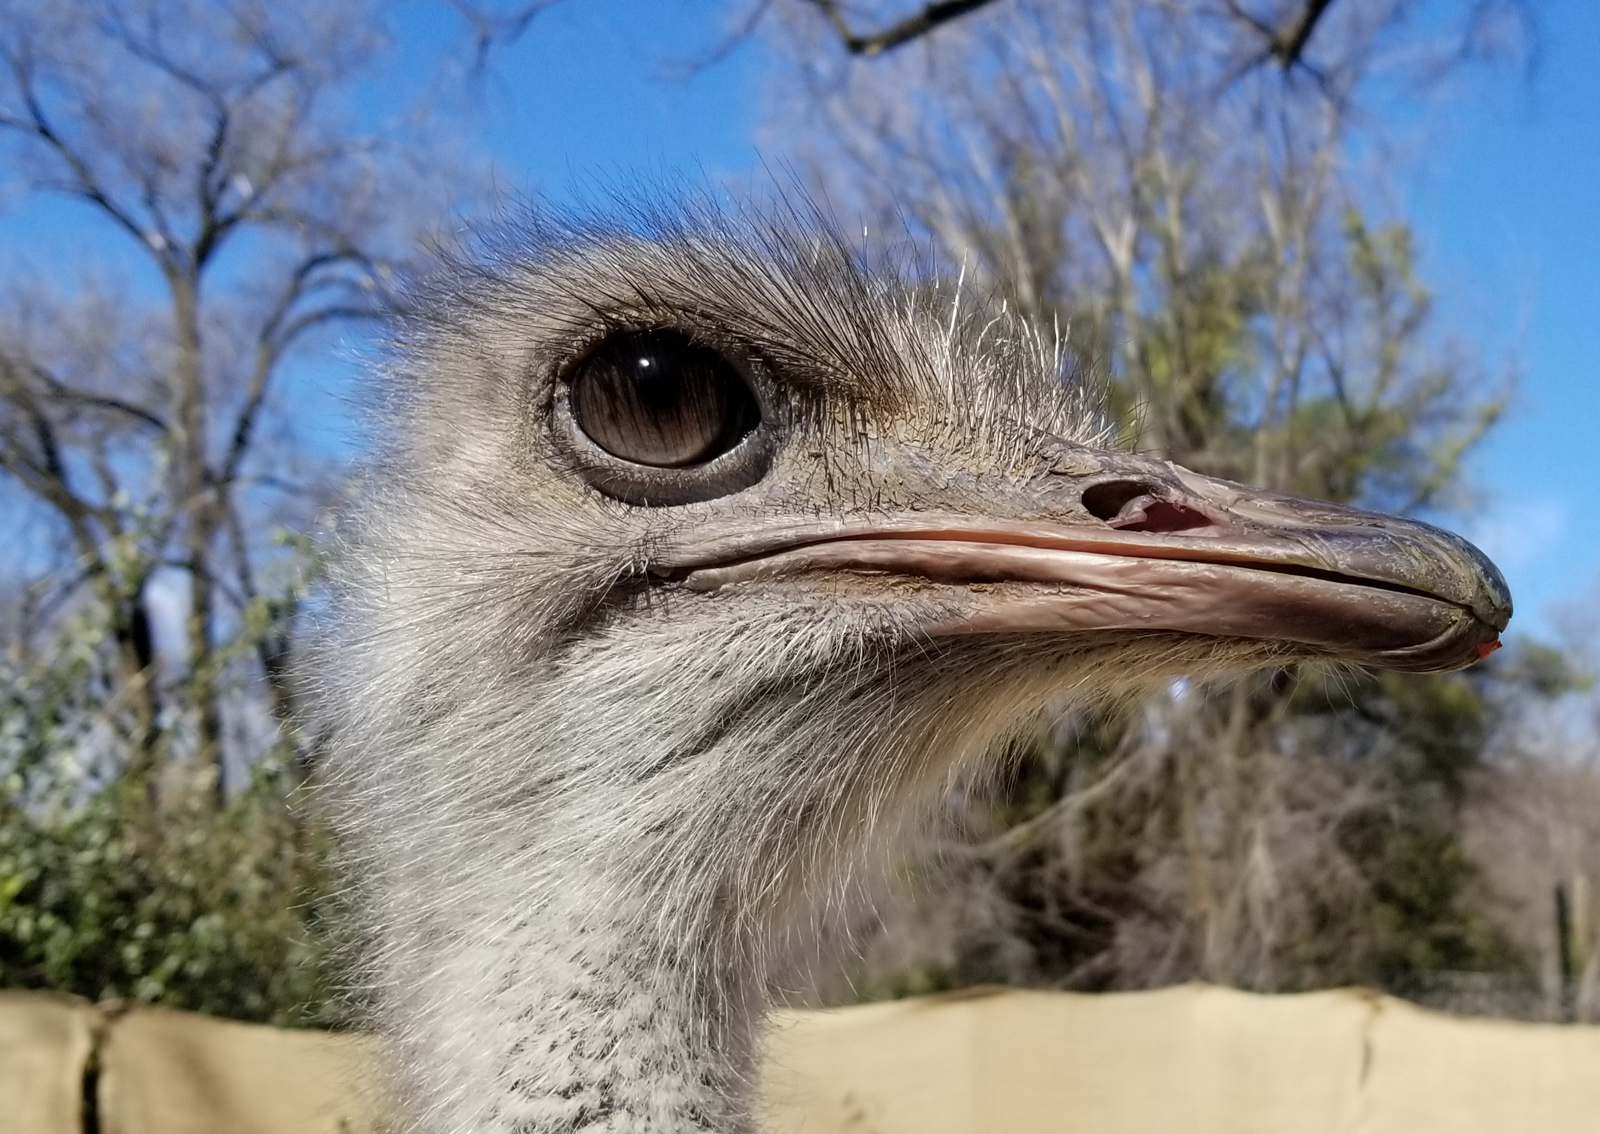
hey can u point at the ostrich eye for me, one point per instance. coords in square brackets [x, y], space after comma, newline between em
[658, 398]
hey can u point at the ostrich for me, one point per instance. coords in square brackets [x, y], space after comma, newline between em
[699, 560]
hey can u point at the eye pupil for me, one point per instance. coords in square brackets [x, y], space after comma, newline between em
[659, 398]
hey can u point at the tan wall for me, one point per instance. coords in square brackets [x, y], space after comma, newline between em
[1187, 1060]
[44, 1044]
[1194, 1060]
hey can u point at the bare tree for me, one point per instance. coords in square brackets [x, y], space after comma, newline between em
[210, 149]
[163, 460]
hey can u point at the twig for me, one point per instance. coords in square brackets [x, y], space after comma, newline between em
[1286, 44]
[896, 35]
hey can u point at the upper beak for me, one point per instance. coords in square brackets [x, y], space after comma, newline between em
[1147, 545]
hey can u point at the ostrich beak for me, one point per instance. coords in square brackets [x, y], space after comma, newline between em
[1148, 545]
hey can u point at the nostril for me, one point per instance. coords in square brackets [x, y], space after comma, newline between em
[1133, 506]
[1105, 501]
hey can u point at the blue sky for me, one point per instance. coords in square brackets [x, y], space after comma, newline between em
[1503, 185]
[1506, 200]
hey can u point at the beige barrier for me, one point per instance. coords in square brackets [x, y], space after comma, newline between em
[164, 1072]
[1434, 1072]
[44, 1046]
[1188, 1060]
[1185, 1059]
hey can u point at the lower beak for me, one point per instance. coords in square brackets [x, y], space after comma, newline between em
[1166, 550]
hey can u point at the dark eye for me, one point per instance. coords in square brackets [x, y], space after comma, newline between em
[659, 398]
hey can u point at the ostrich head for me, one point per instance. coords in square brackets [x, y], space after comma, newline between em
[698, 562]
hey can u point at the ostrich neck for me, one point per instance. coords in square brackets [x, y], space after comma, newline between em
[591, 887]
[585, 1011]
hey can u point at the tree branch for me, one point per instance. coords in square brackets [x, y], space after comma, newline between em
[38, 124]
[895, 35]
[489, 29]
[1291, 43]
[277, 334]
[45, 473]
[268, 354]
[1286, 44]
[60, 391]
